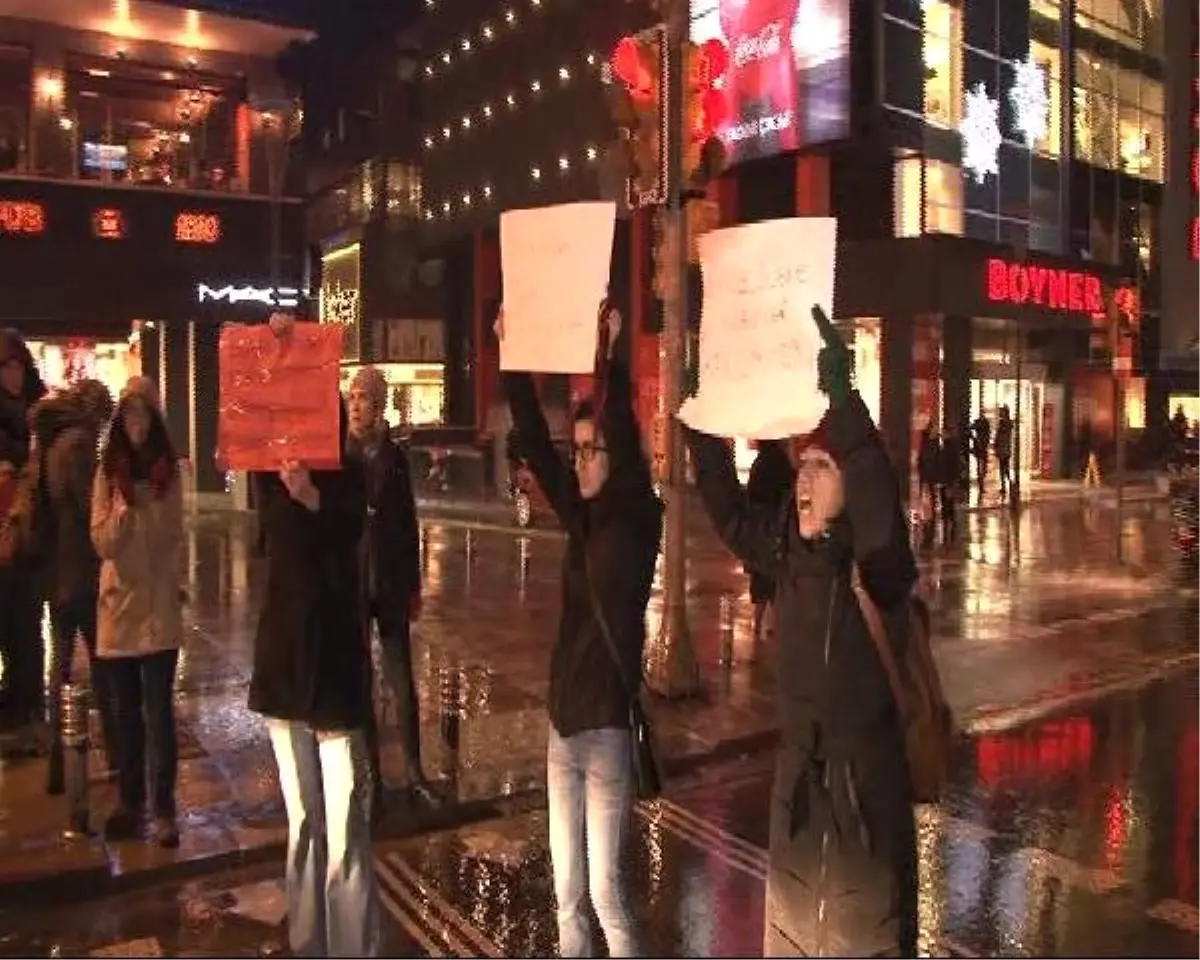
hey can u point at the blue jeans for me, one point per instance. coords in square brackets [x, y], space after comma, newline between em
[333, 903]
[589, 783]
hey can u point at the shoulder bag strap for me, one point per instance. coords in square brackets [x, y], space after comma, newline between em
[631, 691]
[879, 634]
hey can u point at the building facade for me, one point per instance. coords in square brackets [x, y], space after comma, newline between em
[996, 167]
[143, 194]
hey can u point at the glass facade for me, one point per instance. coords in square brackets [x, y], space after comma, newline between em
[1107, 53]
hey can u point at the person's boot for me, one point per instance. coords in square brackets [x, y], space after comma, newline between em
[124, 823]
[166, 832]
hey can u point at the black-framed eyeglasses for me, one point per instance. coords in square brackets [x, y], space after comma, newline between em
[586, 452]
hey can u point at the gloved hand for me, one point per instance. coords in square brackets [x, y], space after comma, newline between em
[833, 362]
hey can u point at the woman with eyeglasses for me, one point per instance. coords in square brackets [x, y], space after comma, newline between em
[606, 503]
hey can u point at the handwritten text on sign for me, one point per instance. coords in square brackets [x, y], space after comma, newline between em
[555, 262]
[758, 342]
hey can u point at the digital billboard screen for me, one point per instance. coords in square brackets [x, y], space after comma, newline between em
[788, 81]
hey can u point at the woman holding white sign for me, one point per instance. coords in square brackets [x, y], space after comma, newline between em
[842, 877]
[613, 521]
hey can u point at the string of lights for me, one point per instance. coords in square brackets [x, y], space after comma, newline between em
[466, 200]
[488, 110]
[484, 34]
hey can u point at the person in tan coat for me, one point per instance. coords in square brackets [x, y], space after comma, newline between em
[137, 529]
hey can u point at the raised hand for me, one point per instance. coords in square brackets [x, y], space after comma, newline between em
[833, 362]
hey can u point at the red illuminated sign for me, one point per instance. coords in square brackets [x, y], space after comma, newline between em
[108, 224]
[24, 217]
[198, 228]
[1054, 288]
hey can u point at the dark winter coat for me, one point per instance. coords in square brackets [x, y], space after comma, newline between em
[615, 536]
[310, 651]
[769, 484]
[842, 838]
[391, 545]
[14, 410]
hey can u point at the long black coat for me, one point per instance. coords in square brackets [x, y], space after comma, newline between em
[392, 538]
[615, 536]
[310, 652]
[842, 839]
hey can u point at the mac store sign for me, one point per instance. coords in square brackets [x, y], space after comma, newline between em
[249, 300]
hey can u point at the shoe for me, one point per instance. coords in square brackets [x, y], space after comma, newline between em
[166, 833]
[122, 824]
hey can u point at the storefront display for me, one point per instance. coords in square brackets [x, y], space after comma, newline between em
[416, 392]
[64, 362]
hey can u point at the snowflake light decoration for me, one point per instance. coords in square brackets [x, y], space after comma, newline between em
[1030, 103]
[980, 130]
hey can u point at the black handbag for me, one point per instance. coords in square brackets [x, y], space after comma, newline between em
[647, 778]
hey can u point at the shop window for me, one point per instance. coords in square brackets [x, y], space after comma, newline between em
[1135, 403]
[1118, 118]
[943, 59]
[129, 123]
[1050, 9]
[943, 193]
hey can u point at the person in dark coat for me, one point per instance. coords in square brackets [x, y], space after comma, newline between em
[391, 564]
[842, 870]
[1003, 446]
[613, 521]
[951, 480]
[311, 681]
[768, 485]
[981, 447]
[21, 644]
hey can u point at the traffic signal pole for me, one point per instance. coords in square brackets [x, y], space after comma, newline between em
[672, 670]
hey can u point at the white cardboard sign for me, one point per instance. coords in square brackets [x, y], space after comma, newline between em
[758, 341]
[555, 262]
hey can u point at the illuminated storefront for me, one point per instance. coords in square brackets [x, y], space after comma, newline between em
[341, 297]
[64, 362]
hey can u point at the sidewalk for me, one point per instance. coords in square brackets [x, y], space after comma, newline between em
[1009, 638]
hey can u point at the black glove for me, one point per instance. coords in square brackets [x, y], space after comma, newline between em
[833, 362]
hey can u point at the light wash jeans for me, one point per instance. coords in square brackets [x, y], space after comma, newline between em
[589, 784]
[333, 903]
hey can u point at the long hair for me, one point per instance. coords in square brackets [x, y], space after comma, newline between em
[155, 462]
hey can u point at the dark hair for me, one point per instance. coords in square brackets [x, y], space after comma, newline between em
[119, 452]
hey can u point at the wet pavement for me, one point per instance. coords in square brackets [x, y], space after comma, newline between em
[1071, 835]
[1029, 616]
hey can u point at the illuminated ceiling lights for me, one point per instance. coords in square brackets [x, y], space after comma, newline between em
[486, 33]
[485, 111]
[536, 176]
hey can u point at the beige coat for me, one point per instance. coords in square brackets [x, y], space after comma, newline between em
[141, 607]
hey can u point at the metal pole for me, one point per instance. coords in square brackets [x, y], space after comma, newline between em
[74, 719]
[672, 670]
[1118, 433]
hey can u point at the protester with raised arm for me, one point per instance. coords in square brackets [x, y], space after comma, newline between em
[842, 872]
[606, 504]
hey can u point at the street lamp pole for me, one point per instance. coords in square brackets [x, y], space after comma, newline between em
[672, 670]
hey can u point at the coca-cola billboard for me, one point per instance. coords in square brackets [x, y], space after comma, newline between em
[788, 82]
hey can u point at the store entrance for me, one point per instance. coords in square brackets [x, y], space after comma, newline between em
[988, 396]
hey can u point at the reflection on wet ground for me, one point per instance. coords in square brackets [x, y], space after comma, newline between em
[1074, 835]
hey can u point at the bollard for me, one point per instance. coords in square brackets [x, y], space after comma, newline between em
[725, 655]
[75, 740]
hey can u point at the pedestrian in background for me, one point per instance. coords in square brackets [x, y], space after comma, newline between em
[69, 427]
[21, 643]
[391, 565]
[311, 680]
[137, 530]
[613, 521]
[951, 481]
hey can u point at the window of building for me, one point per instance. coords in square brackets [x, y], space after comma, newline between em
[943, 193]
[1050, 60]
[1118, 118]
[942, 55]
[130, 123]
[403, 190]
[1136, 24]
[16, 66]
